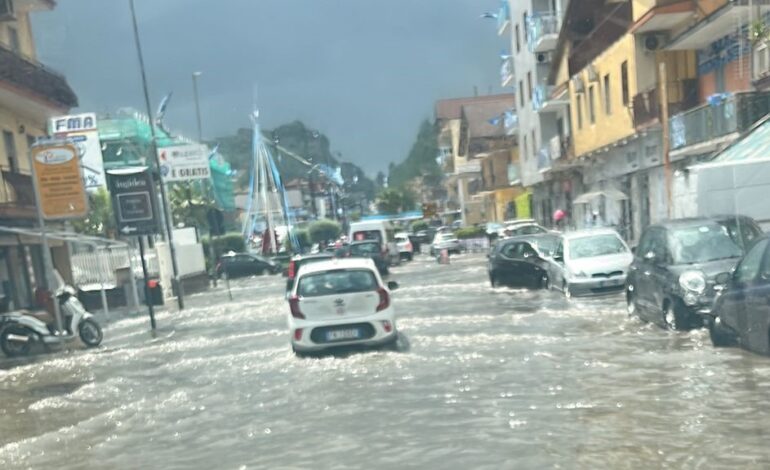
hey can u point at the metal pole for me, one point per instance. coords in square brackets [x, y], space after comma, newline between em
[665, 131]
[134, 291]
[147, 299]
[47, 259]
[156, 159]
[195, 76]
[105, 271]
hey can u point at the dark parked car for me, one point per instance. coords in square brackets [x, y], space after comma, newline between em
[742, 309]
[672, 277]
[742, 229]
[370, 249]
[246, 264]
[523, 261]
[299, 261]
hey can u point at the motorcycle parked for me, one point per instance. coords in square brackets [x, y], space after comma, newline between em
[21, 329]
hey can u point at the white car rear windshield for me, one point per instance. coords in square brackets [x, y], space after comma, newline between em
[597, 245]
[338, 281]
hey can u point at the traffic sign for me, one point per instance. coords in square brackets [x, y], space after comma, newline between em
[133, 200]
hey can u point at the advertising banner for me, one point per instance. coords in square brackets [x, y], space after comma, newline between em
[184, 163]
[58, 181]
[133, 200]
[82, 131]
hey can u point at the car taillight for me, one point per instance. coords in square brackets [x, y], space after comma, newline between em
[298, 334]
[384, 299]
[387, 326]
[292, 268]
[294, 306]
[408, 246]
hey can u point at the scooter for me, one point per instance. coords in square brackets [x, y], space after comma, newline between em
[21, 329]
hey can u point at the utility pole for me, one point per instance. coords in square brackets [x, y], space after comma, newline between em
[195, 76]
[156, 159]
[204, 185]
[663, 97]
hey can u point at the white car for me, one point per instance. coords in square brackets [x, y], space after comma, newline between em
[405, 248]
[445, 241]
[591, 261]
[340, 302]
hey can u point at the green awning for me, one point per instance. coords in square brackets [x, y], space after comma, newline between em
[754, 146]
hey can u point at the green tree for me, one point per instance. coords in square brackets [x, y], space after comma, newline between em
[389, 201]
[100, 220]
[189, 204]
[323, 230]
[421, 160]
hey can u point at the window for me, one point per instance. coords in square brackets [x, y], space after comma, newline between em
[761, 62]
[10, 151]
[529, 85]
[749, 268]
[526, 148]
[579, 111]
[30, 141]
[534, 143]
[518, 39]
[339, 281]
[591, 105]
[526, 27]
[13, 40]
[521, 93]
[607, 96]
[624, 82]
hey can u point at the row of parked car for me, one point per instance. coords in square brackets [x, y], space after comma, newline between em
[684, 274]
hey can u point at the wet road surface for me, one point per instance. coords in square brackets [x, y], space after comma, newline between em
[485, 378]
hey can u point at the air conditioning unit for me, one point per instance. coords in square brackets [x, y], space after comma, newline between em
[544, 57]
[577, 83]
[654, 42]
[7, 12]
[592, 75]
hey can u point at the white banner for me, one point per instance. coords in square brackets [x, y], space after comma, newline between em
[82, 131]
[184, 162]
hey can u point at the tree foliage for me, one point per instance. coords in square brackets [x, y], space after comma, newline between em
[324, 230]
[100, 220]
[421, 161]
[394, 200]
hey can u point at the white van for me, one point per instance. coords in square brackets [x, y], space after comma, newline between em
[381, 230]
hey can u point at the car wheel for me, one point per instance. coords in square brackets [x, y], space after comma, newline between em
[673, 318]
[721, 336]
[567, 290]
[492, 281]
[545, 283]
[631, 307]
[409, 257]
[299, 354]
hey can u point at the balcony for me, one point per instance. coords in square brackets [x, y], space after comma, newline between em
[702, 129]
[17, 195]
[506, 71]
[32, 76]
[560, 147]
[543, 102]
[646, 105]
[511, 122]
[543, 31]
[503, 18]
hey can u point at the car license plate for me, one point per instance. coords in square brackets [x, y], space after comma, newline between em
[337, 335]
[610, 283]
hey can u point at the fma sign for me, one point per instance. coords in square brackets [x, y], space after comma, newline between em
[133, 200]
[81, 130]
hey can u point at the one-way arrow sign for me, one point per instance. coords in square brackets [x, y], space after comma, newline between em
[133, 200]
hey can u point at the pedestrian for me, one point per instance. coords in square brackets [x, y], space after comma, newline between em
[560, 218]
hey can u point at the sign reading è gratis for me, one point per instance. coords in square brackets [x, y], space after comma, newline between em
[59, 181]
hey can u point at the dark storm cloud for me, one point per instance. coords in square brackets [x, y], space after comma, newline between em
[363, 72]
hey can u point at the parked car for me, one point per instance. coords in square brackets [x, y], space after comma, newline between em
[340, 302]
[370, 249]
[445, 241]
[382, 231]
[594, 261]
[246, 264]
[301, 260]
[672, 278]
[520, 227]
[405, 247]
[742, 306]
[523, 261]
[742, 229]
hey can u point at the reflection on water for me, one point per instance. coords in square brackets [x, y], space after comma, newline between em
[483, 378]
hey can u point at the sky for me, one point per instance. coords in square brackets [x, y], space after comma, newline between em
[363, 72]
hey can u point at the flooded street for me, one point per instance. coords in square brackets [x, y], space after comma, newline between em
[485, 378]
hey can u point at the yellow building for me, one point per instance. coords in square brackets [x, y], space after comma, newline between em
[30, 93]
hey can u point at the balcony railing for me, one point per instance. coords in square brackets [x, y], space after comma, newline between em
[646, 105]
[511, 122]
[26, 73]
[721, 116]
[506, 72]
[503, 17]
[17, 194]
[543, 31]
[560, 147]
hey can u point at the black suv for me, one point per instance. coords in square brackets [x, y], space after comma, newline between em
[672, 278]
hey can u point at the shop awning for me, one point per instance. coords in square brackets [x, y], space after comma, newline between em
[754, 146]
[611, 194]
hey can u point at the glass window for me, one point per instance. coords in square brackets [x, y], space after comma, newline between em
[607, 96]
[509, 250]
[340, 281]
[596, 245]
[579, 111]
[10, 151]
[591, 105]
[742, 231]
[624, 82]
[518, 39]
[367, 235]
[547, 245]
[521, 93]
[529, 85]
[13, 39]
[749, 267]
[701, 244]
[365, 249]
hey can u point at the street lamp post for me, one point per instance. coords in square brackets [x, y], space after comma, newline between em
[195, 76]
[156, 159]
